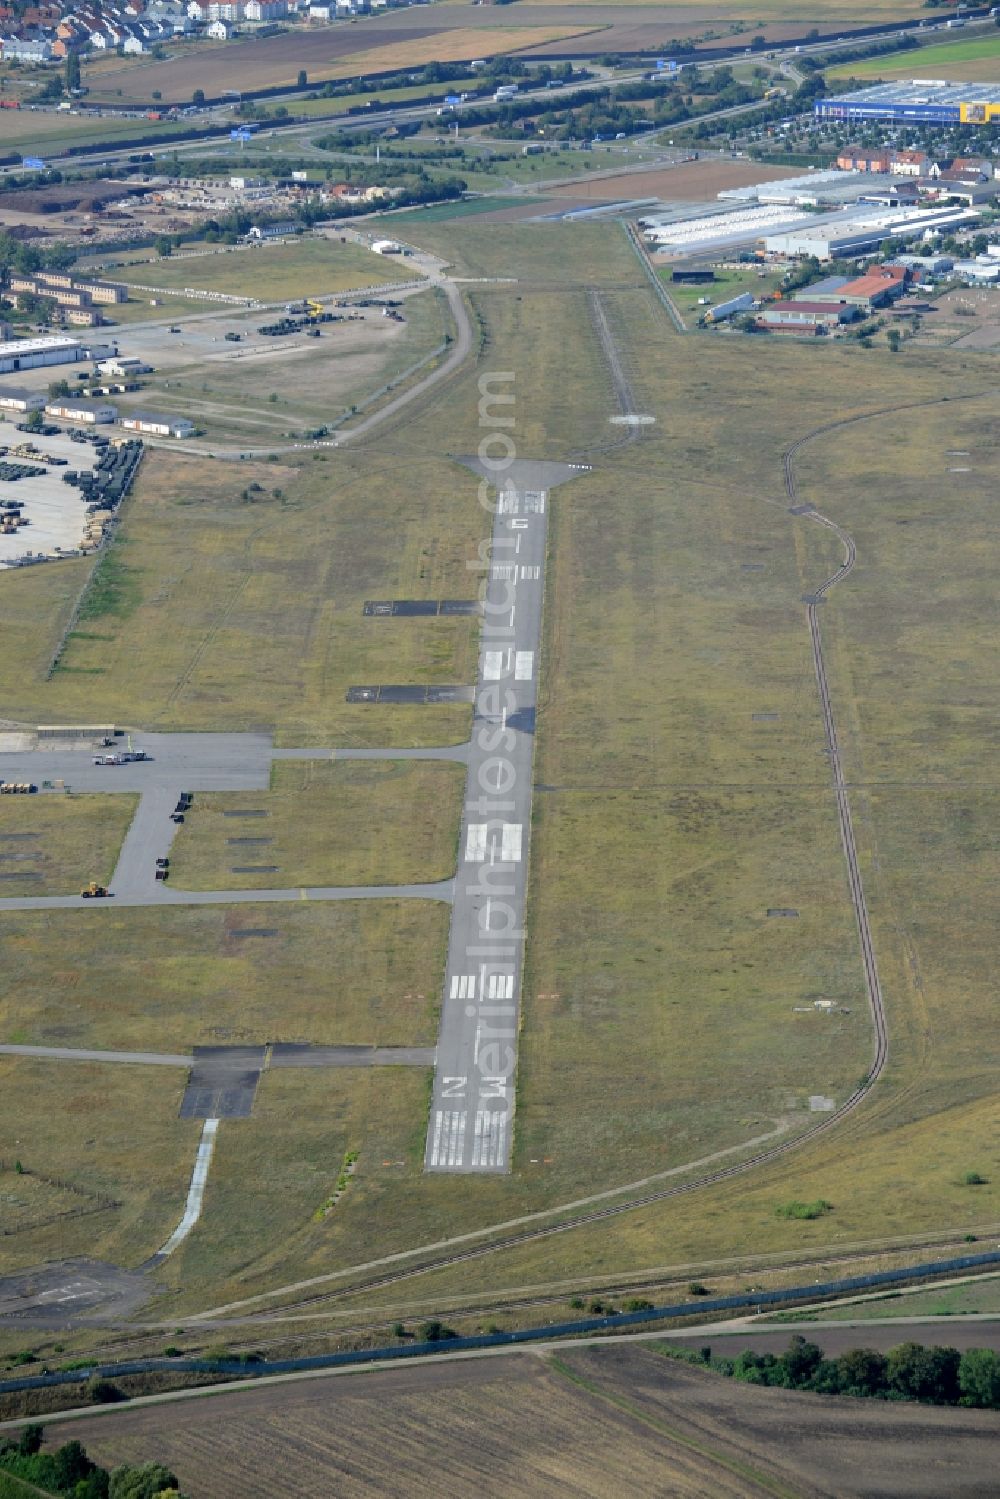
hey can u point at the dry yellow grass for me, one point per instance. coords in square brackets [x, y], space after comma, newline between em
[66, 840]
[387, 822]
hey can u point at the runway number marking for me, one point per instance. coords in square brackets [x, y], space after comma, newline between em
[493, 665]
[524, 664]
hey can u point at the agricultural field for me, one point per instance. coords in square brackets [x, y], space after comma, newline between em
[380, 45]
[588, 1421]
[311, 266]
[973, 58]
[53, 845]
[386, 822]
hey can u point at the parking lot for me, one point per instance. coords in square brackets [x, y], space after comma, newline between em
[55, 511]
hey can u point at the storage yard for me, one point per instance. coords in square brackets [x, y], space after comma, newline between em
[56, 516]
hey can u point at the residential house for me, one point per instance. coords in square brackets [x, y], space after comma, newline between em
[909, 164]
[857, 159]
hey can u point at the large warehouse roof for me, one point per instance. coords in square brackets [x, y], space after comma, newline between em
[933, 100]
[922, 91]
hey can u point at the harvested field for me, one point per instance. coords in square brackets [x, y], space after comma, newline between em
[327, 52]
[688, 182]
[595, 1423]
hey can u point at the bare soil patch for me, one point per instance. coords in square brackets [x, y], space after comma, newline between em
[690, 182]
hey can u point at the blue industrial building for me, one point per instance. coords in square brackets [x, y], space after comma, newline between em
[929, 101]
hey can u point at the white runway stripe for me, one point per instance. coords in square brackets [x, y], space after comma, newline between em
[534, 501]
[448, 1148]
[463, 986]
[493, 665]
[503, 572]
[510, 847]
[488, 1138]
[531, 573]
[508, 502]
[524, 665]
[501, 986]
[475, 843]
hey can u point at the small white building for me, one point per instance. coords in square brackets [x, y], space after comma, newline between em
[31, 353]
[219, 30]
[387, 247]
[21, 401]
[274, 231]
[157, 424]
[124, 365]
[71, 409]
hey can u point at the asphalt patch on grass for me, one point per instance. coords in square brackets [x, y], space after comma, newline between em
[87, 1290]
[245, 842]
[782, 911]
[222, 1083]
[256, 931]
[246, 814]
[254, 869]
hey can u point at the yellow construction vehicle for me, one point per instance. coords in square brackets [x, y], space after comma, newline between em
[94, 891]
[314, 307]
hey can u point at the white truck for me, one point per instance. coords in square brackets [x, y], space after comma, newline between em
[505, 91]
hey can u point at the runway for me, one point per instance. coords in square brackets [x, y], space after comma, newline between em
[472, 1108]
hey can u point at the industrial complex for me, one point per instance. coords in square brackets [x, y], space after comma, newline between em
[924, 101]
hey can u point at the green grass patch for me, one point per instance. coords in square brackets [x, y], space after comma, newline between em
[114, 589]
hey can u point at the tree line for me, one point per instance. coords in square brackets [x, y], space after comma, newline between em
[68, 1471]
[932, 1376]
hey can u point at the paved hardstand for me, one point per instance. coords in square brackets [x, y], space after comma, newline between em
[473, 1104]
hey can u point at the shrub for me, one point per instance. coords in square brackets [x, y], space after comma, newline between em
[804, 1209]
[973, 1179]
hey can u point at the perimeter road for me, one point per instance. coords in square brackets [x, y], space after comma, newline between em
[473, 1103]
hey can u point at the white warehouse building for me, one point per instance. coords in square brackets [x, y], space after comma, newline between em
[31, 353]
[14, 398]
[157, 424]
[71, 409]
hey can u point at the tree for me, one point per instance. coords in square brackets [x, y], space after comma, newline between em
[59, 388]
[72, 72]
[164, 246]
[34, 421]
[979, 1378]
[198, 97]
[919, 1373]
[142, 1481]
[71, 1465]
[862, 1371]
[30, 1441]
[303, 78]
[801, 1362]
[892, 338]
